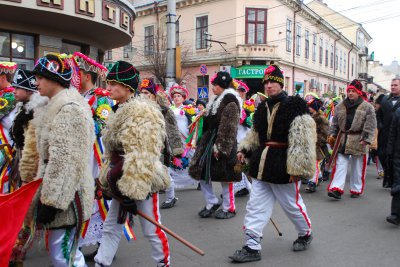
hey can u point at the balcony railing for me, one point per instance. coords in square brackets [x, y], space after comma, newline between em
[256, 51]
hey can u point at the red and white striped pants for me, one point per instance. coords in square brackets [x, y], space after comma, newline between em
[112, 233]
[358, 166]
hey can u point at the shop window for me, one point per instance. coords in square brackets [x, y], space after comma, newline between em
[148, 40]
[201, 32]
[256, 26]
[288, 35]
[18, 48]
[70, 48]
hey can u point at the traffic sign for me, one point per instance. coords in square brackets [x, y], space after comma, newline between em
[202, 92]
[203, 69]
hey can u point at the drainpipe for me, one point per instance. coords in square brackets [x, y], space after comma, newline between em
[348, 63]
[294, 45]
[334, 63]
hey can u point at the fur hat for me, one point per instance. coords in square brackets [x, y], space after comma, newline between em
[355, 85]
[149, 85]
[222, 79]
[25, 79]
[274, 74]
[54, 67]
[177, 89]
[124, 73]
[7, 67]
[315, 103]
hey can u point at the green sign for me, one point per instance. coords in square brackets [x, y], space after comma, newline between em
[248, 71]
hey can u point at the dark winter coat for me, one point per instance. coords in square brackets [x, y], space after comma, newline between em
[322, 125]
[384, 118]
[393, 151]
[291, 125]
[223, 125]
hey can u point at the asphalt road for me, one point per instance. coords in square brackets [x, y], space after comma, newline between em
[350, 232]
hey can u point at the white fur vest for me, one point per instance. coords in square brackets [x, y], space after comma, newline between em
[137, 129]
[65, 134]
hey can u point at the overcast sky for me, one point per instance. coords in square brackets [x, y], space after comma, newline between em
[375, 15]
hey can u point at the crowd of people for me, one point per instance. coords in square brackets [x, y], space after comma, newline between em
[104, 155]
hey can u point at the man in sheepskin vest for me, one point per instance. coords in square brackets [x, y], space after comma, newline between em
[215, 155]
[64, 135]
[352, 130]
[134, 138]
[280, 149]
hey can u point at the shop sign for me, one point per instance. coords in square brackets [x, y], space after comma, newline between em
[248, 72]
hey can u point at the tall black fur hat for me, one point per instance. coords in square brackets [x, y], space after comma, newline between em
[124, 73]
[222, 79]
[54, 67]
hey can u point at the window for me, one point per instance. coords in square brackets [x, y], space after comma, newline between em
[70, 48]
[307, 45]
[18, 48]
[109, 55]
[336, 59]
[344, 66]
[298, 40]
[360, 39]
[340, 61]
[256, 26]
[201, 30]
[331, 56]
[321, 50]
[314, 47]
[148, 40]
[352, 67]
[326, 54]
[177, 32]
[289, 35]
[127, 50]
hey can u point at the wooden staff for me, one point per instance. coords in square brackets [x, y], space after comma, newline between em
[276, 227]
[164, 228]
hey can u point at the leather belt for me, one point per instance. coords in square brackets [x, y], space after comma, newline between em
[274, 144]
[352, 132]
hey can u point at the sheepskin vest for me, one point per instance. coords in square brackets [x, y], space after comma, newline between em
[65, 134]
[220, 131]
[362, 128]
[136, 130]
[284, 120]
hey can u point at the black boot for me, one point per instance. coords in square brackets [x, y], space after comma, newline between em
[393, 219]
[246, 254]
[302, 242]
[335, 194]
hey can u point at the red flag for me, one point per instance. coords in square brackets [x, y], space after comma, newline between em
[13, 208]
